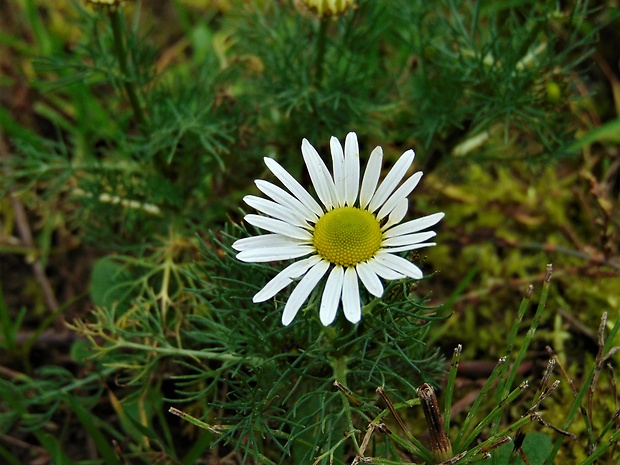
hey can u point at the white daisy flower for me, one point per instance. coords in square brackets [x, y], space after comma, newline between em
[355, 234]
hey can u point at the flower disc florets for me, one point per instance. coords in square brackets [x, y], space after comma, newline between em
[347, 236]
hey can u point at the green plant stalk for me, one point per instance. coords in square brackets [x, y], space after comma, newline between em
[494, 414]
[54, 447]
[414, 445]
[512, 337]
[320, 53]
[530, 333]
[121, 55]
[65, 390]
[416, 449]
[88, 421]
[507, 378]
[602, 449]
[456, 357]
[335, 452]
[496, 437]
[331, 452]
[339, 366]
[456, 446]
[381, 461]
[577, 402]
[475, 18]
[42, 35]
[608, 427]
[195, 421]
[179, 352]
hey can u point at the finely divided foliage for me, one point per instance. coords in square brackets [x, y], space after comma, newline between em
[355, 235]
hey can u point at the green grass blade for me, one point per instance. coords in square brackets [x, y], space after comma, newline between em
[101, 442]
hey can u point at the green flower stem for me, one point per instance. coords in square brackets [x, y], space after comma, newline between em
[121, 55]
[339, 365]
[320, 53]
[222, 357]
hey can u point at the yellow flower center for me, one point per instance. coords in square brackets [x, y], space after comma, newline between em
[347, 236]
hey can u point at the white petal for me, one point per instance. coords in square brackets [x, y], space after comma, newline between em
[371, 176]
[282, 197]
[302, 291]
[285, 277]
[410, 247]
[331, 296]
[397, 215]
[369, 278]
[292, 185]
[392, 179]
[319, 174]
[264, 241]
[408, 239]
[414, 225]
[351, 296]
[338, 164]
[385, 272]
[278, 226]
[351, 168]
[276, 210]
[401, 193]
[399, 264]
[263, 255]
